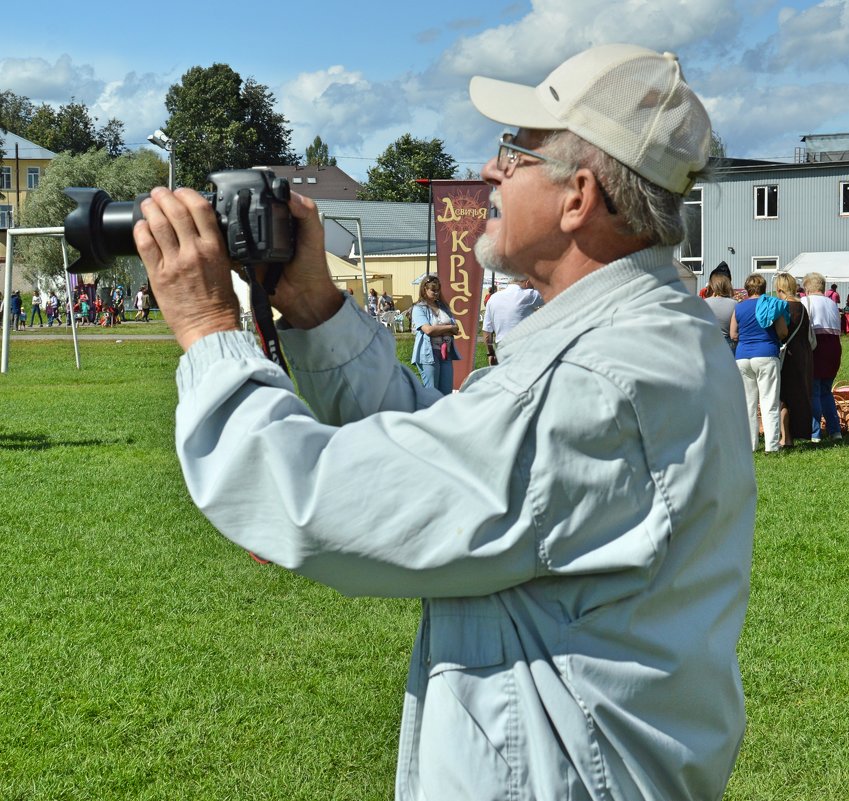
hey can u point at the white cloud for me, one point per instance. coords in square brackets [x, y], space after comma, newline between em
[811, 38]
[137, 100]
[340, 106]
[526, 50]
[41, 81]
[767, 122]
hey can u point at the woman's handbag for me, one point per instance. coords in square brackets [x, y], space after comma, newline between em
[782, 351]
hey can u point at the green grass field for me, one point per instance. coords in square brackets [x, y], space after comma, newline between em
[145, 657]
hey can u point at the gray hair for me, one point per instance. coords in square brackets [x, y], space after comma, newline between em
[814, 282]
[645, 209]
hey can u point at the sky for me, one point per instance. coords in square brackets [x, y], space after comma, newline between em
[361, 74]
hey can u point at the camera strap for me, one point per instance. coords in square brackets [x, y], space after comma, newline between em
[264, 319]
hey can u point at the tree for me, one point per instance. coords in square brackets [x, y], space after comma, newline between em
[71, 128]
[15, 112]
[717, 146]
[15, 115]
[317, 154]
[123, 178]
[218, 123]
[405, 160]
[111, 138]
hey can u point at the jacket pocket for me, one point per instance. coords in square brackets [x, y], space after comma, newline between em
[458, 642]
[466, 719]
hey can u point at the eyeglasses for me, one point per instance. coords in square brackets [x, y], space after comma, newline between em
[509, 157]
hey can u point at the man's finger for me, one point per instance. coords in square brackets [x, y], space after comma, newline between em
[146, 245]
[178, 216]
[201, 212]
[159, 225]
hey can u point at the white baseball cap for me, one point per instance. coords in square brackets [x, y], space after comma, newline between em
[628, 101]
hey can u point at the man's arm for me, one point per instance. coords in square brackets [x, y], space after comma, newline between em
[490, 348]
[488, 329]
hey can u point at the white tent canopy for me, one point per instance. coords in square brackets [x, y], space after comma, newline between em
[833, 265]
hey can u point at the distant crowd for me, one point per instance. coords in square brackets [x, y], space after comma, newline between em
[84, 307]
[787, 347]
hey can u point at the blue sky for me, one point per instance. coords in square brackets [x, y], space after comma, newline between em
[361, 74]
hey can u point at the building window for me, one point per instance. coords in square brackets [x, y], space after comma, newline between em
[33, 176]
[692, 255]
[311, 180]
[844, 198]
[766, 202]
[297, 180]
[5, 177]
[5, 217]
[761, 263]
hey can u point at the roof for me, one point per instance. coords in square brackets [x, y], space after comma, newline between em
[319, 182]
[388, 228]
[26, 150]
[729, 167]
[832, 265]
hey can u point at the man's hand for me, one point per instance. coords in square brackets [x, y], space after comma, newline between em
[188, 264]
[305, 295]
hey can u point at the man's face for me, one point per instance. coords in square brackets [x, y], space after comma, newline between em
[520, 238]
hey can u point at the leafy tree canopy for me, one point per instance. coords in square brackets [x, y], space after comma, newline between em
[123, 178]
[393, 178]
[15, 114]
[318, 155]
[219, 122]
[717, 146]
[71, 128]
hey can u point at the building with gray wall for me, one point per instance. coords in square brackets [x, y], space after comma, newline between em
[760, 215]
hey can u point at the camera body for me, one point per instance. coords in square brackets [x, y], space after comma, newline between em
[252, 208]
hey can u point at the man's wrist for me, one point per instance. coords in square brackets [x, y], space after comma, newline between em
[314, 308]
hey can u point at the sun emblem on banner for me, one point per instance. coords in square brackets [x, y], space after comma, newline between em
[462, 210]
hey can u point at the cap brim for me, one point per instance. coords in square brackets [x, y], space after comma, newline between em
[511, 104]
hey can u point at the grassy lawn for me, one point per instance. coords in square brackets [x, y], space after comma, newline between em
[145, 657]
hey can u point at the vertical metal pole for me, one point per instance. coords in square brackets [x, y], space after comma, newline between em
[67, 287]
[7, 302]
[429, 220]
[17, 183]
[172, 168]
[362, 261]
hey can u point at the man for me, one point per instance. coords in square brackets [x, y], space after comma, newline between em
[585, 573]
[385, 303]
[833, 294]
[505, 310]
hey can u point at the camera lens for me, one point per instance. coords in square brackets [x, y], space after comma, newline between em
[100, 228]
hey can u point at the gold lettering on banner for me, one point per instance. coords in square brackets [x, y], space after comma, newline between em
[452, 214]
[459, 282]
[458, 243]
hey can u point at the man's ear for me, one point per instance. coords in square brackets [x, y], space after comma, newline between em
[581, 198]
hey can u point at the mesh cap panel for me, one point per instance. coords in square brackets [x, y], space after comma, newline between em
[630, 102]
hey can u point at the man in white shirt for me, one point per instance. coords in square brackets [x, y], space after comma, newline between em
[505, 310]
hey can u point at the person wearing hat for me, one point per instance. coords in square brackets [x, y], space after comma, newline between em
[584, 572]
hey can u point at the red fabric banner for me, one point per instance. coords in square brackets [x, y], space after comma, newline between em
[460, 210]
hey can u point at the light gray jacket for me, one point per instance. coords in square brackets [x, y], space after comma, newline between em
[583, 538]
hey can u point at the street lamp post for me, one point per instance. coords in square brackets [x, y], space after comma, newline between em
[160, 139]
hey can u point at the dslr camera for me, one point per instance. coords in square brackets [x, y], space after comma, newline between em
[252, 207]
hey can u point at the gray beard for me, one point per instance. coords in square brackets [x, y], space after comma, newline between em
[489, 259]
